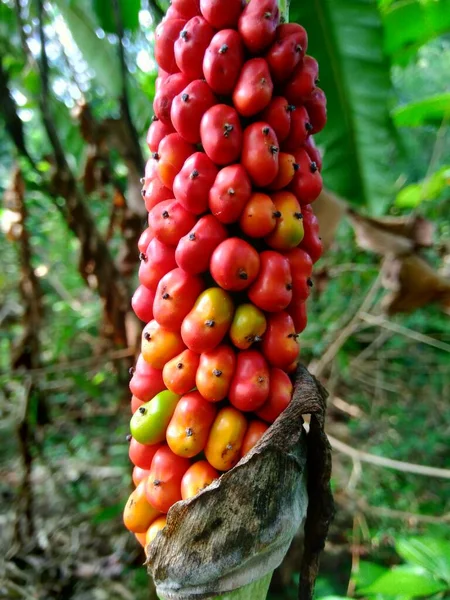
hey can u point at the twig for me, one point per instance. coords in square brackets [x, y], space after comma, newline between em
[318, 368]
[410, 333]
[392, 513]
[381, 461]
[124, 100]
[78, 364]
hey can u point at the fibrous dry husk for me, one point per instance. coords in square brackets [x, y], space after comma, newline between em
[240, 528]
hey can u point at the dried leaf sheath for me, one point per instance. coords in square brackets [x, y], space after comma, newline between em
[240, 528]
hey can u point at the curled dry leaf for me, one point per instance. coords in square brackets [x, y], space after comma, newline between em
[329, 209]
[413, 283]
[391, 235]
[238, 530]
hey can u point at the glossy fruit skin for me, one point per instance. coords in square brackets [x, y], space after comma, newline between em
[259, 217]
[197, 477]
[221, 15]
[170, 221]
[316, 105]
[313, 152]
[160, 344]
[138, 514]
[145, 239]
[215, 371]
[272, 290]
[234, 264]
[186, 8]
[157, 130]
[221, 134]
[249, 387]
[142, 303]
[297, 310]
[179, 373]
[188, 430]
[287, 51]
[254, 88]
[303, 81]
[162, 104]
[191, 45]
[192, 184]
[157, 526]
[280, 345]
[278, 115]
[258, 23]
[163, 486]
[146, 381]
[173, 151]
[311, 242]
[255, 430]
[208, 322]
[301, 269]
[141, 455]
[135, 404]
[148, 424]
[288, 232]
[157, 260]
[280, 394]
[287, 167]
[155, 193]
[151, 170]
[141, 538]
[225, 439]
[175, 296]
[248, 326]
[188, 108]
[260, 150]
[230, 193]
[300, 129]
[307, 183]
[166, 34]
[195, 249]
[139, 475]
[223, 61]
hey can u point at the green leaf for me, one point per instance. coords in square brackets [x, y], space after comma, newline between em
[410, 581]
[99, 54]
[428, 189]
[367, 573]
[411, 23]
[105, 14]
[432, 554]
[430, 111]
[346, 37]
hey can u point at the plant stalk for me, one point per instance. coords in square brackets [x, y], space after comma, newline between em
[284, 10]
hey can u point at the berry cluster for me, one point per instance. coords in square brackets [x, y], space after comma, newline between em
[231, 240]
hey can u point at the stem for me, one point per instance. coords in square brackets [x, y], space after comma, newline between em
[253, 591]
[284, 10]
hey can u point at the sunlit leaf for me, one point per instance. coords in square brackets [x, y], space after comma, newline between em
[411, 23]
[346, 37]
[99, 54]
[428, 189]
[129, 10]
[408, 580]
[431, 111]
[432, 554]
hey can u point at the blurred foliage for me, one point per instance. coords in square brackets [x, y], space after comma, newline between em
[386, 148]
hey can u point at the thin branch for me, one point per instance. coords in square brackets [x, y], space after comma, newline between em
[124, 100]
[405, 331]
[389, 463]
[45, 94]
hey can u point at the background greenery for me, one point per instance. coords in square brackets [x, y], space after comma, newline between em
[385, 69]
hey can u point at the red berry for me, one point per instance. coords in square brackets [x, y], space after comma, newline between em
[192, 184]
[142, 303]
[172, 152]
[170, 221]
[162, 104]
[303, 81]
[191, 45]
[188, 109]
[234, 264]
[258, 23]
[220, 14]
[254, 88]
[260, 150]
[166, 34]
[223, 60]
[272, 289]
[156, 132]
[221, 134]
[194, 250]
[230, 193]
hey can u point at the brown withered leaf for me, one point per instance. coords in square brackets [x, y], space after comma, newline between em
[329, 209]
[413, 283]
[391, 235]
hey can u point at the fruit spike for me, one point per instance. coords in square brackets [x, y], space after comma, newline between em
[227, 258]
